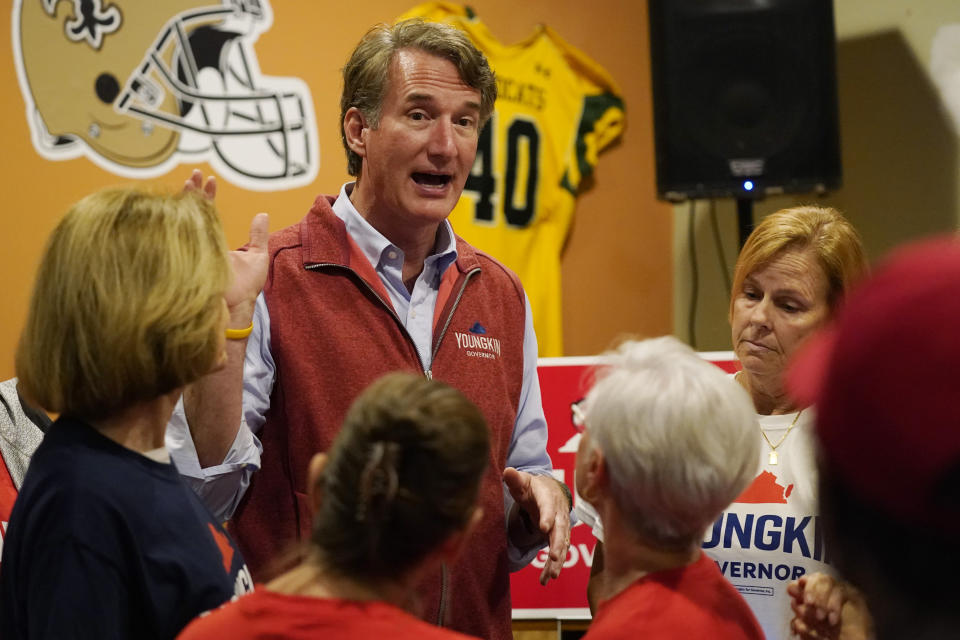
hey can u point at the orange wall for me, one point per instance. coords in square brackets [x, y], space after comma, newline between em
[617, 266]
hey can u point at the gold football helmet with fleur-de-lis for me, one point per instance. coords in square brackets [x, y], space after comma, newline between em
[140, 86]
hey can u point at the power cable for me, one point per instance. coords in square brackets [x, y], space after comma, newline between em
[720, 252]
[694, 274]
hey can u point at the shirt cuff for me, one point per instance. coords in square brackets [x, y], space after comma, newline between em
[222, 486]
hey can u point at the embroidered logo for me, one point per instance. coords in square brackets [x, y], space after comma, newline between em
[477, 328]
[478, 346]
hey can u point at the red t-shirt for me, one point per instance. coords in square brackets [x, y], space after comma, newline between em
[8, 495]
[695, 601]
[267, 614]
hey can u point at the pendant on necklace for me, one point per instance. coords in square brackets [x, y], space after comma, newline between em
[774, 458]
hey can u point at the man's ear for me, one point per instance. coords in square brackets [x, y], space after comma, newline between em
[594, 484]
[354, 126]
[315, 480]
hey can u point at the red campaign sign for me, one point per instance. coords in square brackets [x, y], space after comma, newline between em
[564, 381]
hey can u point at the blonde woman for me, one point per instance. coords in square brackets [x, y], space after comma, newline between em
[789, 281]
[105, 539]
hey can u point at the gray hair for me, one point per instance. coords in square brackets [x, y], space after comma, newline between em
[680, 438]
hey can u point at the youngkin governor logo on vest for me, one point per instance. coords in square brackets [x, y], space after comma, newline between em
[476, 344]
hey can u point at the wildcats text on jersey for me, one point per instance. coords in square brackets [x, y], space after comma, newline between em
[521, 92]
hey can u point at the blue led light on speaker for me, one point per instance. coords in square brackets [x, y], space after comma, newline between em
[748, 185]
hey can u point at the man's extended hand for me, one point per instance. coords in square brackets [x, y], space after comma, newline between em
[213, 403]
[547, 506]
[249, 264]
[195, 183]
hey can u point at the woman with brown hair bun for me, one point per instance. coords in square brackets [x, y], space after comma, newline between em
[394, 499]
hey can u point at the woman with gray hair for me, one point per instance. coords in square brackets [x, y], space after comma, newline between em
[668, 442]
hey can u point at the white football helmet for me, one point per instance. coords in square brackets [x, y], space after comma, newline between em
[139, 86]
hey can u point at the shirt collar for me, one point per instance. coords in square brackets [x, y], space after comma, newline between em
[374, 244]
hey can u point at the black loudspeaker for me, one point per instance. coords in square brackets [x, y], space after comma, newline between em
[745, 97]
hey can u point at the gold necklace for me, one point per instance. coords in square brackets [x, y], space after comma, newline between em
[774, 458]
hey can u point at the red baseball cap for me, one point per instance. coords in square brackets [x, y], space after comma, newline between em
[885, 379]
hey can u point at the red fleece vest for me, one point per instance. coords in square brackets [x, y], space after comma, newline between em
[332, 332]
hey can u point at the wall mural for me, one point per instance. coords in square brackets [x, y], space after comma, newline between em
[140, 87]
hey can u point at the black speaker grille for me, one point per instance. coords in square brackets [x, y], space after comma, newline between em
[744, 91]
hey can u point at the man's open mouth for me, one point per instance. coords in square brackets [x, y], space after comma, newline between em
[431, 179]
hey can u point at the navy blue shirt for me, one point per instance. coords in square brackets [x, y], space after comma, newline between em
[104, 542]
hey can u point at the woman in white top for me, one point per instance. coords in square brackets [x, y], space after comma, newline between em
[788, 281]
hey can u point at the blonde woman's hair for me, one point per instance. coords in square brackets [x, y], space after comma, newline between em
[127, 303]
[822, 230]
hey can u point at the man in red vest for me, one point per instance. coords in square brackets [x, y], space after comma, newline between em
[374, 280]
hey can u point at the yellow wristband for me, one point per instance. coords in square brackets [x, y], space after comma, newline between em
[239, 334]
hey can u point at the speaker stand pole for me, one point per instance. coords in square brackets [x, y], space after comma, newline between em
[744, 218]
